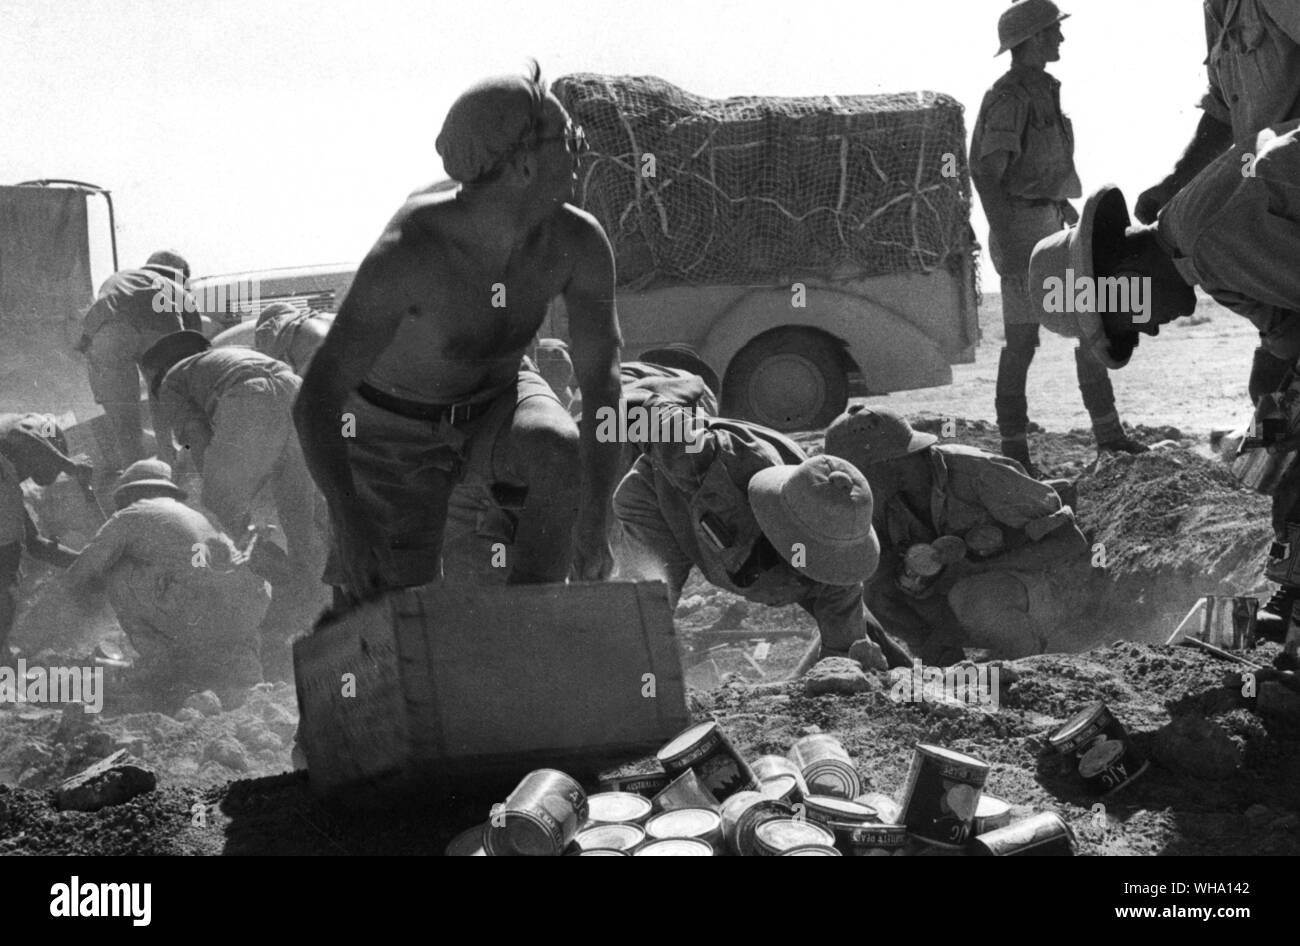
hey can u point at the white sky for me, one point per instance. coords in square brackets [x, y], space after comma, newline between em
[286, 132]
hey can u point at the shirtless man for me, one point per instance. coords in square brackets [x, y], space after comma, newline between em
[419, 386]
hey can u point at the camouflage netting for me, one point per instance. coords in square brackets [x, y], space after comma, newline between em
[755, 189]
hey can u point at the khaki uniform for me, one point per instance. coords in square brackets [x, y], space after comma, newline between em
[672, 500]
[1021, 118]
[232, 408]
[134, 309]
[293, 338]
[192, 617]
[1012, 612]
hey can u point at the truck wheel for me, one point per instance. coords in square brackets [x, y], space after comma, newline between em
[790, 379]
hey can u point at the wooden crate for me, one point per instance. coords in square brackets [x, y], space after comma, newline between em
[465, 687]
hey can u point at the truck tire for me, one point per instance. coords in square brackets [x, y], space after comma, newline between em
[788, 379]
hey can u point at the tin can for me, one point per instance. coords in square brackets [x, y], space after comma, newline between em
[1108, 769]
[769, 767]
[824, 809]
[647, 784]
[1110, 765]
[742, 813]
[784, 788]
[991, 814]
[826, 767]
[699, 824]
[774, 837]
[617, 808]
[1229, 621]
[1042, 834]
[888, 811]
[811, 850]
[616, 837]
[705, 748]
[674, 847]
[685, 791]
[469, 843]
[872, 840]
[540, 817]
[601, 852]
[942, 792]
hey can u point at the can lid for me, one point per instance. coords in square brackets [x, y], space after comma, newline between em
[469, 843]
[683, 823]
[1100, 757]
[685, 740]
[1076, 723]
[781, 834]
[621, 837]
[839, 809]
[614, 807]
[950, 755]
[811, 850]
[778, 786]
[675, 847]
[601, 852]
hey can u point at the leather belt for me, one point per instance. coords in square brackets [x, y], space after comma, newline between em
[419, 410]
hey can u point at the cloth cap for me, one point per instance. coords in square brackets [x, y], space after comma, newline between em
[486, 123]
[159, 357]
[822, 508]
[863, 437]
[1025, 18]
[170, 259]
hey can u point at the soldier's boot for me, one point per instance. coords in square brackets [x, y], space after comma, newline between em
[1012, 406]
[1099, 399]
[1275, 615]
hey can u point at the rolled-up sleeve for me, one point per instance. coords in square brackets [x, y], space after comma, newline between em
[1002, 127]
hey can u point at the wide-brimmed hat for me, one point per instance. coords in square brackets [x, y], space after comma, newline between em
[864, 436]
[1023, 19]
[817, 515]
[1102, 225]
[159, 357]
[146, 474]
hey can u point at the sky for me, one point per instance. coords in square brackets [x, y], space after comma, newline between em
[250, 135]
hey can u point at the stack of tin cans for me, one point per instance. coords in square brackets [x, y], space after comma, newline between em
[706, 799]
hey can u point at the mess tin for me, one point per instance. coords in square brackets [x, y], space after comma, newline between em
[826, 766]
[705, 748]
[539, 818]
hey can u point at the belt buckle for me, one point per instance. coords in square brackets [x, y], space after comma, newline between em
[459, 412]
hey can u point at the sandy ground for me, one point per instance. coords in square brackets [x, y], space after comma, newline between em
[1175, 526]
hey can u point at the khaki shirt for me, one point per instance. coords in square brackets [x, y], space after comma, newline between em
[1022, 116]
[1253, 63]
[1237, 234]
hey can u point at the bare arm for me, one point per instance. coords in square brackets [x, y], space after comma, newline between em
[595, 340]
[380, 296]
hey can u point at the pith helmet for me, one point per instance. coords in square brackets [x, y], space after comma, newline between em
[822, 506]
[159, 357]
[1104, 220]
[1023, 19]
[145, 474]
[864, 436]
